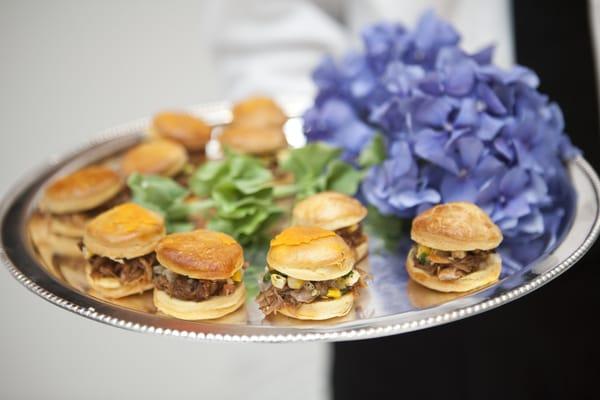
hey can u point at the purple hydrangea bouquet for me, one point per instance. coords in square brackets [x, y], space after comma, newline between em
[454, 125]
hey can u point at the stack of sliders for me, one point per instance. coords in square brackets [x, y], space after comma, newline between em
[455, 248]
[256, 129]
[199, 275]
[189, 131]
[336, 212]
[71, 201]
[119, 247]
[310, 275]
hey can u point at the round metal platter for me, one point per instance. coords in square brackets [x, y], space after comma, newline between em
[390, 305]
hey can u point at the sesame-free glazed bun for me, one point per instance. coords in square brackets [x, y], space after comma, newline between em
[320, 309]
[258, 111]
[456, 226]
[70, 228]
[211, 308]
[82, 190]
[112, 288]
[482, 277]
[157, 157]
[125, 231]
[253, 140]
[201, 254]
[310, 253]
[362, 250]
[329, 210]
[190, 131]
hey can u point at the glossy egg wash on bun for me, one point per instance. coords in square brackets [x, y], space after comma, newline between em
[310, 275]
[455, 248]
[199, 275]
[119, 248]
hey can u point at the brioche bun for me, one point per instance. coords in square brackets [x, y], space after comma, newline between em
[112, 288]
[81, 190]
[258, 111]
[253, 140]
[310, 253]
[63, 245]
[482, 277]
[454, 227]
[157, 157]
[329, 210]
[190, 131]
[362, 250]
[201, 254]
[211, 308]
[320, 309]
[69, 228]
[125, 231]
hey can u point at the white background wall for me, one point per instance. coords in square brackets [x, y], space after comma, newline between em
[69, 69]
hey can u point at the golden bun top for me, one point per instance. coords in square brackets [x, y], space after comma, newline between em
[253, 140]
[82, 190]
[310, 253]
[125, 231]
[157, 157]
[329, 210]
[456, 226]
[201, 254]
[258, 111]
[184, 128]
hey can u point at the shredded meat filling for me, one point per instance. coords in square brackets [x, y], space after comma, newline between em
[352, 235]
[457, 268]
[127, 271]
[272, 299]
[184, 288]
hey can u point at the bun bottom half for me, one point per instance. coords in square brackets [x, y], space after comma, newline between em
[214, 307]
[321, 309]
[361, 250]
[480, 278]
[66, 228]
[112, 288]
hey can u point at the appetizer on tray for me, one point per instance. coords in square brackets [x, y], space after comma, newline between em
[119, 248]
[455, 248]
[310, 275]
[199, 275]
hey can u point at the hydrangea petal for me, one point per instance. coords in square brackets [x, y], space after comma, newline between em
[433, 112]
[429, 145]
[454, 188]
[514, 181]
[470, 149]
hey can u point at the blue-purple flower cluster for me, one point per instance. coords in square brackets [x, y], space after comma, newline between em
[456, 126]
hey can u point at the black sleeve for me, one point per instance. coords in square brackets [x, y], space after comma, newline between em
[545, 345]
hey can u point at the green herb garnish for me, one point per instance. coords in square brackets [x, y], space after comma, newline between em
[240, 188]
[388, 227]
[374, 153]
[316, 167]
[165, 196]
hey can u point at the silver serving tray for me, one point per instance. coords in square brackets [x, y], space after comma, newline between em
[390, 305]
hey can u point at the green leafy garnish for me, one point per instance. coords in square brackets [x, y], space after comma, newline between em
[240, 188]
[374, 153]
[316, 167]
[387, 227]
[166, 197]
[422, 257]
